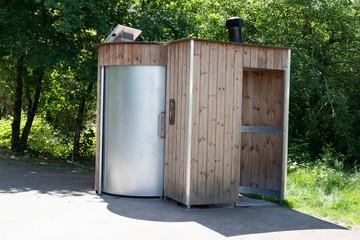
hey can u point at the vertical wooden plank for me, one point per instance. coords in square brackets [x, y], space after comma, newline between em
[246, 61]
[169, 137]
[246, 100]
[112, 54]
[210, 178]
[277, 59]
[237, 112]
[264, 158]
[176, 137]
[203, 120]
[244, 169]
[284, 59]
[270, 56]
[179, 120]
[195, 123]
[146, 53]
[254, 52]
[106, 55]
[262, 58]
[229, 92]
[254, 159]
[173, 92]
[127, 54]
[136, 54]
[163, 55]
[220, 121]
[119, 54]
[278, 96]
[155, 56]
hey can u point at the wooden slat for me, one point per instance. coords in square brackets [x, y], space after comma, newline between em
[127, 55]
[237, 112]
[254, 53]
[106, 59]
[246, 61]
[262, 58]
[195, 123]
[220, 121]
[261, 160]
[146, 53]
[112, 55]
[228, 127]
[178, 173]
[119, 54]
[203, 121]
[284, 59]
[163, 56]
[136, 54]
[184, 119]
[278, 59]
[168, 161]
[210, 178]
[270, 58]
[155, 56]
[262, 98]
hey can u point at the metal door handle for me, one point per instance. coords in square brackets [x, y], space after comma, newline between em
[162, 125]
[172, 112]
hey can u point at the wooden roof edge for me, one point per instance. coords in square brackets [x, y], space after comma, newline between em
[235, 43]
[195, 39]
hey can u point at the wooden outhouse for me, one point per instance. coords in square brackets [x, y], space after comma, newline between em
[226, 116]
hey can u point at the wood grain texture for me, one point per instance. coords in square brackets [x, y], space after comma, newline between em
[262, 98]
[261, 160]
[194, 187]
[127, 54]
[203, 123]
[261, 153]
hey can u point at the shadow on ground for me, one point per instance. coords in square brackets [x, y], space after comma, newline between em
[228, 221]
[18, 177]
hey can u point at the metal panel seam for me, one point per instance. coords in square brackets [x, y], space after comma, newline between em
[189, 130]
[102, 78]
[286, 128]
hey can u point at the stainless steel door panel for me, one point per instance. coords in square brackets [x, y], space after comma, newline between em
[133, 151]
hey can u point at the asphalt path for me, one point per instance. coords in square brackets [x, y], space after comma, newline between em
[46, 203]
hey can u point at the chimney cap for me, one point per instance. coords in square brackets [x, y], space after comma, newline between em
[234, 22]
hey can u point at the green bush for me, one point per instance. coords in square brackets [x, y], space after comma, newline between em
[45, 141]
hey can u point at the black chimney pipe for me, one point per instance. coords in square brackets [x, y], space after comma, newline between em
[234, 25]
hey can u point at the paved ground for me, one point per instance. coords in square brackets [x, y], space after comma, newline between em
[46, 203]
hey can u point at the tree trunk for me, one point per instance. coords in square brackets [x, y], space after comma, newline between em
[31, 113]
[18, 91]
[78, 124]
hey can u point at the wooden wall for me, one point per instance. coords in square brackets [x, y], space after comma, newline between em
[124, 54]
[177, 88]
[216, 122]
[218, 145]
[261, 148]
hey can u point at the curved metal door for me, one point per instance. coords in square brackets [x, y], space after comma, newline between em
[133, 158]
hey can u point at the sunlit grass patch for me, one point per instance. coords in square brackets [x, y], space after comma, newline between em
[327, 192]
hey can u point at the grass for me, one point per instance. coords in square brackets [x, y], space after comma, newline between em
[326, 192]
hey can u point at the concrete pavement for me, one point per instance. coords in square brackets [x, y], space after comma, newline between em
[47, 203]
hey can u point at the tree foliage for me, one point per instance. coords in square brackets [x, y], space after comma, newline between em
[47, 47]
